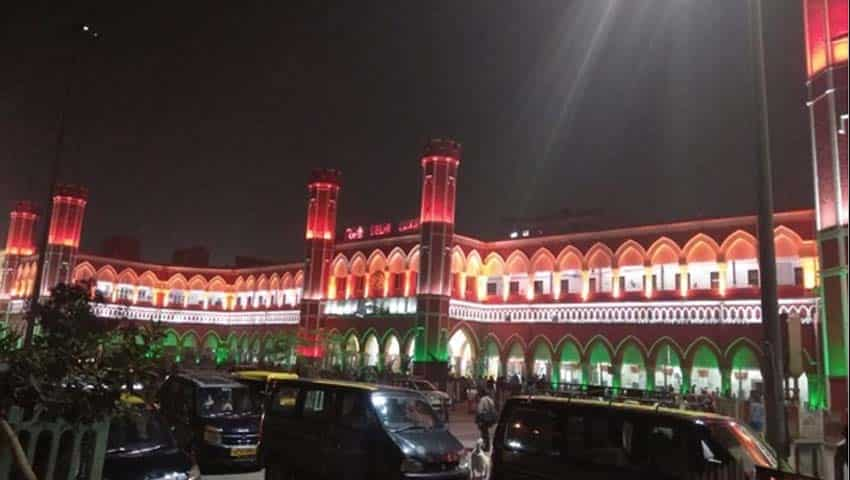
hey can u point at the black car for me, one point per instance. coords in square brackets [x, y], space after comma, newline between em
[212, 416]
[549, 438]
[141, 447]
[317, 429]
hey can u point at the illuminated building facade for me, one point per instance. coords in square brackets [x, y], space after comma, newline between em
[826, 25]
[655, 305]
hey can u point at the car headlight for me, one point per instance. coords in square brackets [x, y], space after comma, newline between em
[411, 466]
[463, 461]
[212, 435]
[194, 473]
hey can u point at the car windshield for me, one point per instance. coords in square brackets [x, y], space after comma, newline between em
[137, 433]
[425, 386]
[403, 411]
[742, 444]
[223, 401]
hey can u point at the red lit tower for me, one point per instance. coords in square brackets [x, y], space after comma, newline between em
[440, 162]
[19, 243]
[323, 194]
[826, 49]
[63, 240]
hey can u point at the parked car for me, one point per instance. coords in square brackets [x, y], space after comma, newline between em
[141, 447]
[440, 401]
[549, 438]
[322, 429]
[212, 416]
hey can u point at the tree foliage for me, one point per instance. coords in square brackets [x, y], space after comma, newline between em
[77, 363]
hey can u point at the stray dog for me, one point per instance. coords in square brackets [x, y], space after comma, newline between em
[479, 462]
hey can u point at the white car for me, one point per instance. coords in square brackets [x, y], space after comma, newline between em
[440, 401]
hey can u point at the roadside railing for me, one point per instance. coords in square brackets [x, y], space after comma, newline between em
[57, 450]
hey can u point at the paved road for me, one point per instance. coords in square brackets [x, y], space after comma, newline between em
[461, 425]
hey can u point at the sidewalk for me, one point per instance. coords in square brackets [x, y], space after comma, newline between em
[462, 425]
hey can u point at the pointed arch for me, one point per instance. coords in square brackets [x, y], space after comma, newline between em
[128, 277]
[628, 342]
[468, 332]
[458, 260]
[630, 253]
[287, 282]
[494, 265]
[593, 354]
[492, 338]
[274, 282]
[599, 256]
[542, 261]
[262, 283]
[664, 251]
[473, 263]
[148, 279]
[358, 264]
[83, 272]
[397, 260]
[701, 248]
[217, 284]
[658, 348]
[197, 282]
[787, 242]
[390, 332]
[571, 258]
[739, 344]
[107, 274]
[239, 284]
[512, 340]
[413, 259]
[569, 350]
[299, 279]
[697, 350]
[739, 245]
[377, 261]
[517, 263]
[542, 341]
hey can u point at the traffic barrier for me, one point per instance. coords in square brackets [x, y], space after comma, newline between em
[56, 449]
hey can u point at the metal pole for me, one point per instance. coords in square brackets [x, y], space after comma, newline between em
[32, 313]
[774, 366]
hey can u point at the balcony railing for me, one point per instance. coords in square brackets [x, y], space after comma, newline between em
[213, 317]
[671, 312]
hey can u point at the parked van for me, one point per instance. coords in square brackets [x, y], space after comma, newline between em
[212, 416]
[555, 438]
[323, 429]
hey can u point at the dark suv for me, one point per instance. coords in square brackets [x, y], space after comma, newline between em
[213, 416]
[322, 429]
[548, 438]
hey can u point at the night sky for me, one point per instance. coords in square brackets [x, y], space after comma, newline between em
[198, 122]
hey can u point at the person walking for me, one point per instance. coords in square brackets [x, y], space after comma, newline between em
[485, 416]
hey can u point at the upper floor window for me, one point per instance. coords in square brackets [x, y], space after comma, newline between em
[753, 278]
[799, 277]
[175, 297]
[492, 288]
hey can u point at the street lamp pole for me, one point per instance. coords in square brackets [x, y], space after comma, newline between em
[53, 173]
[773, 365]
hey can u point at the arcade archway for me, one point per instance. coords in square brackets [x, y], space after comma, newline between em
[461, 356]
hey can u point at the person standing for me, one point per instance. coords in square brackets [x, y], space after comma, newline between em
[485, 416]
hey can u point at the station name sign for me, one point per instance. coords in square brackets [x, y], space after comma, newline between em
[359, 232]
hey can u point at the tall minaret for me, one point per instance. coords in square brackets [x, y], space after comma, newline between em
[826, 49]
[63, 240]
[323, 195]
[19, 243]
[440, 162]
